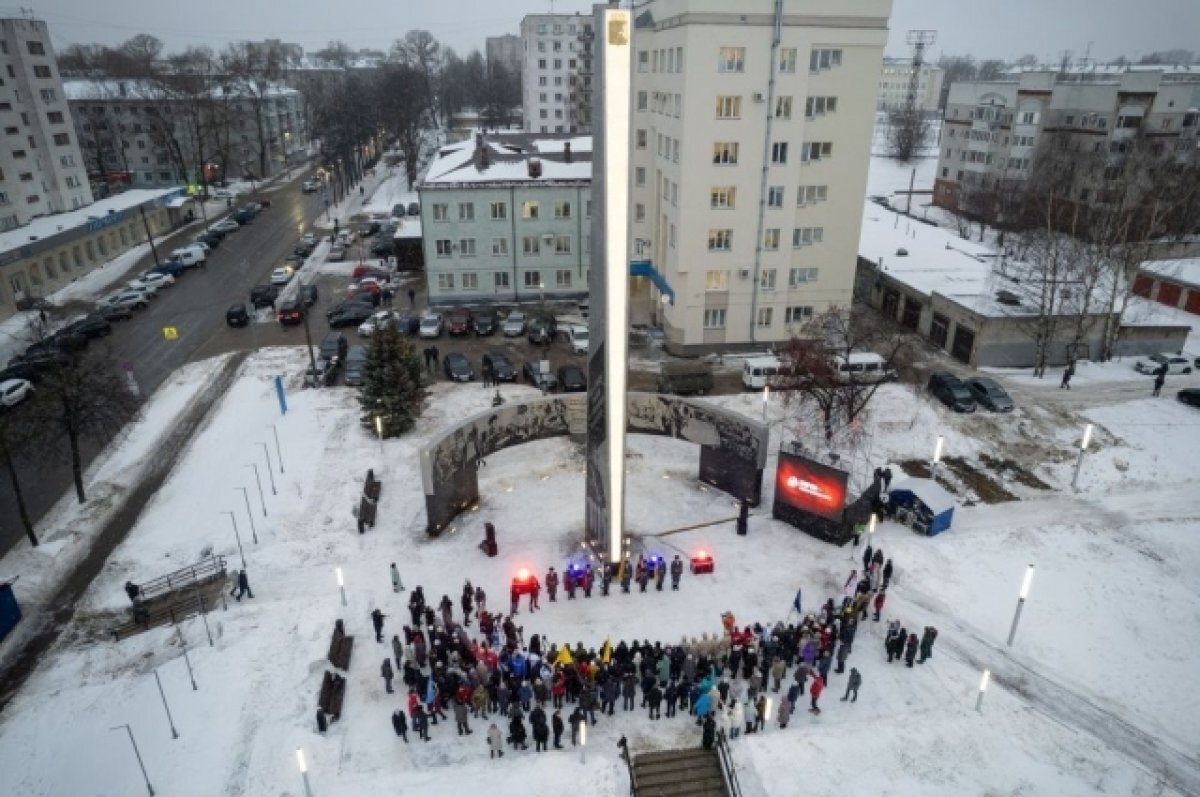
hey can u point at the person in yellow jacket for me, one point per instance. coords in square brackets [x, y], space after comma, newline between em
[606, 651]
[564, 656]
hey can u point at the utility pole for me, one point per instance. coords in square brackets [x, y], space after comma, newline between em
[149, 237]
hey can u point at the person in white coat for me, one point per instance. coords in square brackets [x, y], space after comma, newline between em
[723, 722]
[737, 718]
[495, 740]
[751, 714]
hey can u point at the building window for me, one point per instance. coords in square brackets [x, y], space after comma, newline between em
[714, 318]
[639, 212]
[441, 212]
[801, 276]
[49, 95]
[819, 106]
[775, 196]
[562, 278]
[533, 279]
[639, 176]
[771, 239]
[530, 245]
[729, 107]
[62, 139]
[641, 101]
[55, 117]
[821, 60]
[35, 48]
[499, 246]
[725, 153]
[811, 194]
[643, 60]
[641, 139]
[765, 316]
[783, 107]
[500, 210]
[470, 281]
[444, 247]
[815, 150]
[1023, 141]
[500, 280]
[466, 247]
[529, 209]
[797, 315]
[716, 280]
[445, 282]
[766, 279]
[562, 244]
[720, 240]
[562, 210]
[787, 59]
[807, 236]
[466, 211]
[41, 71]
[731, 59]
[1031, 118]
[779, 153]
[723, 197]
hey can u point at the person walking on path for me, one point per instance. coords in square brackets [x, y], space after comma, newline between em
[388, 674]
[233, 582]
[814, 690]
[376, 621]
[400, 724]
[1160, 376]
[495, 741]
[1067, 374]
[397, 651]
[412, 298]
[556, 723]
[397, 584]
[927, 638]
[880, 597]
[852, 685]
[243, 585]
[785, 713]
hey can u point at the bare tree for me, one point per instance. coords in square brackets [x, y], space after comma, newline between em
[908, 130]
[402, 106]
[336, 53]
[13, 435]
[419, 50]
[255, 72]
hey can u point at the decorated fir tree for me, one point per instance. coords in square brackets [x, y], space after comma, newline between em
[392, 390]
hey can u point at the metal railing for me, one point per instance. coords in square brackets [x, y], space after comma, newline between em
[188, 606]
[623, 743]
[207, 569]
[728, 770]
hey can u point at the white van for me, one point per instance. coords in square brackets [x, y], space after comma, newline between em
[189, 256]
[863, 366]
[759, 372]
[577, 336]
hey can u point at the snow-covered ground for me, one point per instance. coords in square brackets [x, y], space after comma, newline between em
[1103, 660]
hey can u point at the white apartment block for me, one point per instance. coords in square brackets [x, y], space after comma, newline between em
[895, 77]
[556, 73]
[749, 161]
[41, 169]
[992, 129]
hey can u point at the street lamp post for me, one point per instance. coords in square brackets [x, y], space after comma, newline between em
[1083, 444]
[766, 400]
[303, 772]
[274, 431]
[983, 685]
[341, 584]
[258, 480]
[1021, 596]
[270, 473]
[163, 695]
[249, 514]
[937, 457]
[137, 753]
[237, 536]
[379, 431]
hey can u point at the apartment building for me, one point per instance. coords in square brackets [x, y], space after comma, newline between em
[507, 219]
[895, 77]
[135, 134]
[992, 129]
[41, 168]
[749, 159]
[556, 73]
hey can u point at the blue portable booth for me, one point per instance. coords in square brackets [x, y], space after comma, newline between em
[923, 504]
[10, 612]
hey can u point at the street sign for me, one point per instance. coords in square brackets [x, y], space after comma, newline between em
[170, 333]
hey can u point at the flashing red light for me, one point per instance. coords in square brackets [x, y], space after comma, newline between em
[702, 555]
[523, 574]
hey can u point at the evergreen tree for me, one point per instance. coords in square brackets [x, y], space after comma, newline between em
[392, 387]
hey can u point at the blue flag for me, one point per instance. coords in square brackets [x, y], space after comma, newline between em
[796, 603]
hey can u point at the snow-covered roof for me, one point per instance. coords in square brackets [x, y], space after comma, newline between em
[48, 226]
[80, 89]
[932, 494]
[409, 227]
[509, 159]
[1184, 270]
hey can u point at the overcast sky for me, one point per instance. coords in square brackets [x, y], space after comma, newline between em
[989, 29]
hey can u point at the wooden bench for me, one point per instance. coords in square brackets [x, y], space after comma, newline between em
[333, 692]
[340, 647]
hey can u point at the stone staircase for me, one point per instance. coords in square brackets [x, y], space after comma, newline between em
[679, 773]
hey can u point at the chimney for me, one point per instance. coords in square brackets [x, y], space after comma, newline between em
[566, 152]
[483, 157]
[535, 167]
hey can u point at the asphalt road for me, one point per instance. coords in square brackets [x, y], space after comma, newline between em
[195, 307]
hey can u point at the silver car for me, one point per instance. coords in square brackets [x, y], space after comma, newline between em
[514, 324]
[431, 326]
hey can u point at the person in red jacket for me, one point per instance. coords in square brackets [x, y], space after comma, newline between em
[880, 597]
[815, 689]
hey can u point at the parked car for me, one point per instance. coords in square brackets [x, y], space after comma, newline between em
[542, 329]
[485, 322]
[577, 338]
[989, 394]
[225, 226]
[1176, 364]
[14, 391]
[685, 377]
[264, 295]
[115, 312]
[408, 323]
[242, 216]
[224, 193]
[458, 367]
[1189, 395]
[376, 322]
[356, 366]
[864, 367]
[237, 316]
[498, 364]
[572, 379]
[367, 270]
[169, 267]
[191, 256]
[458, 321]
[324, 374]
[431, 326]
[157, 278]
[414, 209]
[304, 248]
[350, 316]
[514, 324]
[38, 364]
[533, 373]
[290, 312]
[130, 299]
[210, 239]
[949, 389]
[309, 294]
[368, 294]
[148, 291]
[337, 253]
[333, 348]
[309, 239]
[282, 275]
[91, 326]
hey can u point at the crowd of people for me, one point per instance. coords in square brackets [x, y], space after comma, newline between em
[726, 683]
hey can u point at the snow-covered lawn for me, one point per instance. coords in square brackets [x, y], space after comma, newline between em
[1111, 622]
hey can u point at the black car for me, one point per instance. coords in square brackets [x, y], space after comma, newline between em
[92, 326]
[298, 260]
[290, 312]
[408, 323]
[64, 341]
[303, 249]
[333, 348]
[236, 315]
[458, 367]
[485, 323]
[572, 379]
[541, 329]
[172, 268]
[351, 315]
[264, 295]
[40, 363]
[533, 373]
[243, 217]
[346, 304]
[210, 239]
[309, 295]
[950, 390]
[116, 312]
[21, 369]
[1188, 395]
[499, 366]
